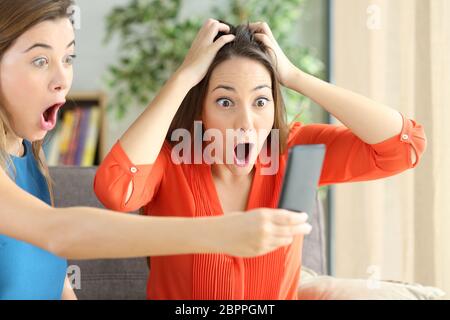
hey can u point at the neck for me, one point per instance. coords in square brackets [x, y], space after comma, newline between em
[222, 173]
[14, 145]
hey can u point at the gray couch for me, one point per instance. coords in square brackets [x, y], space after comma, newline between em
[127, 278]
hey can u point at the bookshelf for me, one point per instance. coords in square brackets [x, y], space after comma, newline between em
[79, 138]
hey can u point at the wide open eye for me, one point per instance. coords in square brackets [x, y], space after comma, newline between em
[69, 59]
[40, 62]
[224, 102]
[261, 102]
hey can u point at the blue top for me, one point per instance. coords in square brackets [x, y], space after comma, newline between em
[28, 272]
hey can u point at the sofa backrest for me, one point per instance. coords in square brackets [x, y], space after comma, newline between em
[126, 278]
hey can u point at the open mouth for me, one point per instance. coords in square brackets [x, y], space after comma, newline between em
[242, 153]
[50, 116]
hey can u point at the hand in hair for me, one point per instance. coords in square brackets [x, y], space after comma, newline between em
[285, 68]
[204, 49]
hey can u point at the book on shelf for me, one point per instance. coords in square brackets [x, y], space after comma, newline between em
[75, 139]
[91, 138]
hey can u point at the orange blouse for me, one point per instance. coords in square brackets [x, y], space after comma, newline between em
[186, 190]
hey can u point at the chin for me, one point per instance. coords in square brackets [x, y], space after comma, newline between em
[241, 171]
[35, 136]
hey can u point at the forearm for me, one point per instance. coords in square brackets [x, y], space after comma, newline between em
[372, 122]
[143, 140]
[89, 233]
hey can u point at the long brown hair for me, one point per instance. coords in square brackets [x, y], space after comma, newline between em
[245, 45]
[17, 17]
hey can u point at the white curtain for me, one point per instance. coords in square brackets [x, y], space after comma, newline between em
[397, 52]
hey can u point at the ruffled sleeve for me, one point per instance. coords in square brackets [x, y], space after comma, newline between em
[115, 173]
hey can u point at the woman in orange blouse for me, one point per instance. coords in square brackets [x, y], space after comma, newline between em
[239, 88]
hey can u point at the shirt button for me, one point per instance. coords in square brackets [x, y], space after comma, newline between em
[133, 169]
[405, 137]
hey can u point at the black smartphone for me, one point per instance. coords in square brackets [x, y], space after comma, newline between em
[301, 178]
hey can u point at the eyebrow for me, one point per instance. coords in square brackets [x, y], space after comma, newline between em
[45, 46]
[234, 90]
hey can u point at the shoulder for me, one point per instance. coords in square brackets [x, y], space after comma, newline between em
[295, 129]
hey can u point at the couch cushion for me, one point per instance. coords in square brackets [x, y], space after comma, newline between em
[315, 287]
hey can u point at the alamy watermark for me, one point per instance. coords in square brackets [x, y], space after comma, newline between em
[234, 147]
[74, 12]
[74, 276]
[374, 20]
[374, 280]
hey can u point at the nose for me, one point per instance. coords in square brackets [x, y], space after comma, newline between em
[245, 120]
[60, 79]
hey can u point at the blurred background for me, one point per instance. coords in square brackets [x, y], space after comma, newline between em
[394, 51]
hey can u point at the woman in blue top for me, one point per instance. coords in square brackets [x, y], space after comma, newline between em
[36, 54]
[26, 271]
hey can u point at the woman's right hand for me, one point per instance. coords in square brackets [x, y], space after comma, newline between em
[260, 231]
[204, 50]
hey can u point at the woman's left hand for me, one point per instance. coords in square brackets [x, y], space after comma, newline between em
[285, 68]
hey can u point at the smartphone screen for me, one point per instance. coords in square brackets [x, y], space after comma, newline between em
[301, 178]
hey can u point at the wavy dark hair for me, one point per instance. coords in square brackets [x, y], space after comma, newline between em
[244, 45]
